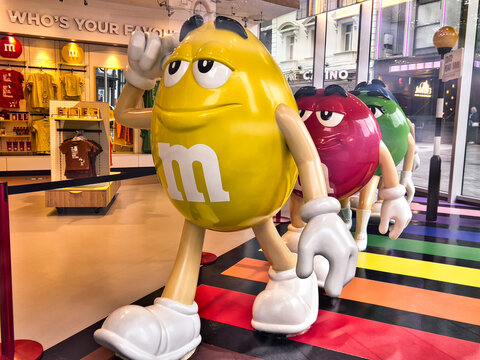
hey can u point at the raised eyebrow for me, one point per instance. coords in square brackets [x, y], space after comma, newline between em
[208, 53]
[176, 58]
[181, 53]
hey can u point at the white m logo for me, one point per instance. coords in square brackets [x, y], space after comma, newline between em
[9, 48]
[72, 53]
[185, 159]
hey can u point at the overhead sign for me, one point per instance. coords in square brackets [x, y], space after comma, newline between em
[423, 90]
[77, 23]
[452, 65]
[10, 47]
[99, 22]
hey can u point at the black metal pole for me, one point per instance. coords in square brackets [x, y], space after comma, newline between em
[435, 161]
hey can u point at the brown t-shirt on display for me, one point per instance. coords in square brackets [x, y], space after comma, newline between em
[80, 158]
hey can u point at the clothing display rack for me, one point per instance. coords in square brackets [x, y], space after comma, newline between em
[16, 64]
[95, 196]
[80, 130]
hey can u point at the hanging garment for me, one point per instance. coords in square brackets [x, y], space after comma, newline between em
[11, 90]
[40, 88]
[80, 157]
[149, 96]
[146, 145]
[42, 136]
[71, 87]
[124, 133]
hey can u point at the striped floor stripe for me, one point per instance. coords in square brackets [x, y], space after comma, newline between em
[447, 210]
[423, 201]
[342, 333]
[394, 296]
[442, 233]
[422, 269]
[451, 221]
[423, 247]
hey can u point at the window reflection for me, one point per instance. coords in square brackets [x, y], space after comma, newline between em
[109, 84]
[404, 58]
[342, 46]
[472, 151]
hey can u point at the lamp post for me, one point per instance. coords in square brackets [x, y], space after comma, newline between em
[444, 40]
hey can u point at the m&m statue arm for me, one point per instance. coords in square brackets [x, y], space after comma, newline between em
[125, 111]
[394, 206]
[324, 233]
[408, 164]
[416, 159]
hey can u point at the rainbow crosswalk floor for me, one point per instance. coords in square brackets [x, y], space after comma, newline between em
[417, 297]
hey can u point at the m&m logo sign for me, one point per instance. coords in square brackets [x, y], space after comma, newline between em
[72, 53]
[10, 47]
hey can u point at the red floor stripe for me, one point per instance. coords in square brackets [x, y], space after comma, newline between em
[342, 333]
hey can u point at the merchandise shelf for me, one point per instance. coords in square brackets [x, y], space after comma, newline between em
[15, 120]
[75, 119]
[14, 136]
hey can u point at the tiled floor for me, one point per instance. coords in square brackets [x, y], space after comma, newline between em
[414, 298]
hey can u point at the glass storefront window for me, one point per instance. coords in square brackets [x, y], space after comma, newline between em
[291, 40]
[342, 46]
[404, 58]
[109, 84]
[471, 172]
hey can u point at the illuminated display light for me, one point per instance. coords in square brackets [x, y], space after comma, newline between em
[415, 66]
[423, 90]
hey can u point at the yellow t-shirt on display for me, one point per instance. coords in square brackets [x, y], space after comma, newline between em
[40, 88]
[42, 135]
[72, 87]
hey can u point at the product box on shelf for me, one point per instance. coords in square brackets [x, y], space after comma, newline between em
[62, 112]
[74, 112]
[94, 113]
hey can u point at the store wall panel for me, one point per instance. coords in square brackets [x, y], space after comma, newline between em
[125, 160]
[3, 164]
[145, 160]
[22, 163]
[42, 52]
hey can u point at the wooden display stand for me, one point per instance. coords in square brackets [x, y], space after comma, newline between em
[62, 127]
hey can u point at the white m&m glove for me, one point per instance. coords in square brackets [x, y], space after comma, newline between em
[396, 208]
[147, 53]
[326, 234]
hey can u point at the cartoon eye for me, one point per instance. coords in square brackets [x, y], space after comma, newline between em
[210, 74]
[174, 72]
[305, 114]
[329, 118]
[377, 111]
